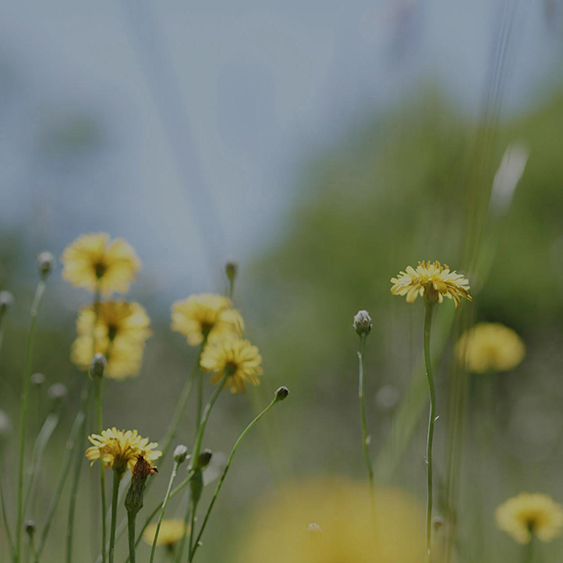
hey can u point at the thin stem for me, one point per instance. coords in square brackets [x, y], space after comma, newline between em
[363, 419]
[131, 518]
[117, 475]
[99, 384]
[529, 551]
[199, 400]
[6, 522]
[40, 291]
[161, 516]
[224, 475]
[431, 421]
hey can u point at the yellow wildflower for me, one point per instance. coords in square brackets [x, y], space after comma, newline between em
[433, 282]
[237, 357]
[93, 259]
[530, 514]
[171, 532]
[120, 450]
[206, 314]
[490, 347]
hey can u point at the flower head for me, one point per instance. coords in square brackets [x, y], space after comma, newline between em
[490, 347]
[236, 358]
[206, 315]
[120, 334]
[171, 532]
[433, 282]
[121, 450]
[93, 259]
[530, 514]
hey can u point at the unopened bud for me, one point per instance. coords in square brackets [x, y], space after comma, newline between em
[204, 458]
[180, 454]
[6, 301]
[29, 527]
[57, 392]
[37, 379]
[362, 323]
[97, 366]
[45, 263]
[141, 472]
[231, 269]
[282, 393]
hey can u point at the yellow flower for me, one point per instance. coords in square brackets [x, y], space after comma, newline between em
[92, 258]
[433, 282]
[329, 520]
[530, 514]
[206, 314]
[171, 532]
[120, 334]
[490, 347]
[120, 450]
[237, 357]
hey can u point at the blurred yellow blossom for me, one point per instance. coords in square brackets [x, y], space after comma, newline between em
[94, 258]
[530, 514]
[490, 347]
[433, 282]
[329, 520]
[206, 314]
[171, 532]
[240, 359]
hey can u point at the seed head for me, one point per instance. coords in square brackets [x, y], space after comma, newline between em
[180, 454]
[45, 263]
[37, 379]
[282, 393]
[97, 366]
[362, 323]
[6, 301]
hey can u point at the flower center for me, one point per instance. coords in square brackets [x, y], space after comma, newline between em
[100, 269]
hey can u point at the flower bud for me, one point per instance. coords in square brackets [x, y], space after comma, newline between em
[437, 522]
[97, 366]
[362, 323]
[141, 472]
[57, 393]
[45, 263]
[204, 458]
[29, 527]
[282, 393]
[6, 301]
[180, 454]
[37, 379]
[231, 269]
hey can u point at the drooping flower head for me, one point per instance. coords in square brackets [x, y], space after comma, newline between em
[237, 358]
[120, 333]
[120, 450]
[171, 532]
[528, 515]
[94, 258]
[206, 315]
[490, 347]
[431, 281]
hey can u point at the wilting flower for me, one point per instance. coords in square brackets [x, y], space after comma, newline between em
[120, 334]
[490, 347]
[330, 521]
[528, 515]
[120, 450]
[171, 532]
[93, 259]
[235, 357]
[206, 315]
[433, 282]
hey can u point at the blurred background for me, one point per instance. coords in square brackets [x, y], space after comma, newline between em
[323, 146]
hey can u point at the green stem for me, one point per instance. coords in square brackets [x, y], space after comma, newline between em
[161, 516]
[365, 437]
[117, 475]
[6, 523]
[224, 475]
[40, 291]
[131, 517]
[99, 384]
[431, 421]
[199, 400]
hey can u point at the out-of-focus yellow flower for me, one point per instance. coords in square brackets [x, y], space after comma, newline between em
[171, 532]
[490, 347]
[237, 357]
[431, 281]
[206, 315]
[528, 515]
[120, 333]
[120, 450]
[93, 259]
[343, 529]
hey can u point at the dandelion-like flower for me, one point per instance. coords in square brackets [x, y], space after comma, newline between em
[528, 515]
[171, 532]
[237, 358]
[490, 347]
[120, 450]
[94, 258]
[433, 282]
[120, 333]
[206, 315]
